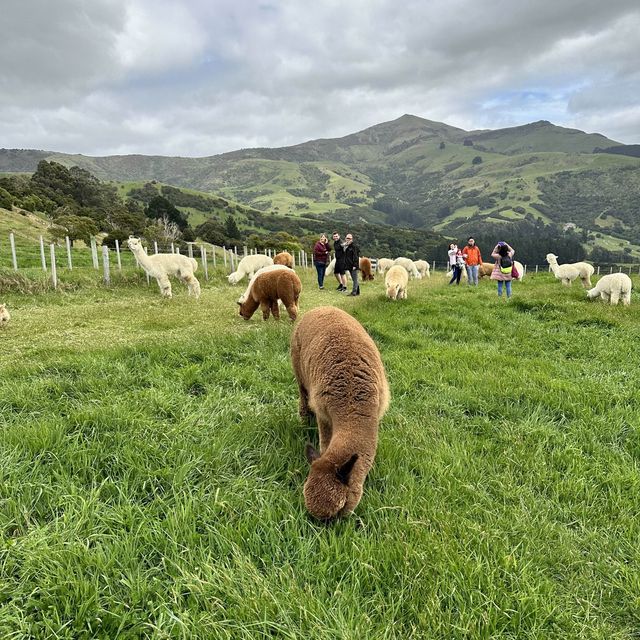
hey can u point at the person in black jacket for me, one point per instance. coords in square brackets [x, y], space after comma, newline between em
[338, 270]
[352, 262]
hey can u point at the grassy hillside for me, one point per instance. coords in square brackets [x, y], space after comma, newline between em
[152, 469]
[441, 174]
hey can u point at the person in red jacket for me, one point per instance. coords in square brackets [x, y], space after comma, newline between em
[473, 260]
[321, 251]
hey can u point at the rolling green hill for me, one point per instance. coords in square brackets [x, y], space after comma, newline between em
[409, 172]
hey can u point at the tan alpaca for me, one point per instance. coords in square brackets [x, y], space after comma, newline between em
[342, 381]
[285, 258]
[395, 282]
[365, 269]
[5, 316]
[384, 264]
[275, 283]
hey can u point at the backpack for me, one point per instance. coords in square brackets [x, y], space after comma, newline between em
[506, 264]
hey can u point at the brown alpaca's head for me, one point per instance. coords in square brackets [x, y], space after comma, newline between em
[327, 486]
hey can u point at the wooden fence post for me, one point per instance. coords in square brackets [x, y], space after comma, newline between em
[155, 246]
[12, 242]
[118, 255]
[213, 250]
[598, 271]
[244, 249]
[94, 253]
[67, 242]
[54, 273]
[190, 250]
[224, 255]
[42, 257]
[203, 258]
[105, 264]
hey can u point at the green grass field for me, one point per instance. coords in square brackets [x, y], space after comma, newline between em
[152, 468]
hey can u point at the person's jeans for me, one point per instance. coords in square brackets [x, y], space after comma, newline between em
[507, 284]
[457, 273]
[354, 277]
[472, 274]
[321, 267]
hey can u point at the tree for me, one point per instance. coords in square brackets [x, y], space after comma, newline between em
[76, 227]
[477, 160]
[442, 145]
[231, 229]
[159, 208]
[5, 199]
[211, 231]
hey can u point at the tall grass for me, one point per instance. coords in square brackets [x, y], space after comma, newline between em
[152, 470]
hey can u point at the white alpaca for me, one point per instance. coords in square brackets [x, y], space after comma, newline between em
[567, 273]
[612, 288]
[5, 316]
[396, 282]
[409, 266]
[384, 264]
[162, 265]
[248, 266]
[423, 268]
[272, 267]
[520, 268]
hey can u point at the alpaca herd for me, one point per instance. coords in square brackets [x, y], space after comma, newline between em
[337, 366]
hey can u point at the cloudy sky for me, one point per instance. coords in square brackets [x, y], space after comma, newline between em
[201, 77]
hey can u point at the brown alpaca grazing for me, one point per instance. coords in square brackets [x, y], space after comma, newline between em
[485, 269]
[285, 258]
[342, 381]
[365, 269]
[267, 289]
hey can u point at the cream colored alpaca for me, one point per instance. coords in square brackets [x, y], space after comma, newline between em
[248, 266]
[423, 268]
[384, 264]
[395, 282]
[5, 316]
[612, 288]
[162, 265]
[409, 266]
[568, 272]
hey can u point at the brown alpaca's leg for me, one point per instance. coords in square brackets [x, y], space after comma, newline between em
[292, 310]
[325, 432]
[264, 306]
[303, 407]
[275, 310]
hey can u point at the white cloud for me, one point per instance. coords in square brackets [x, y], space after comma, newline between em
[201, 77]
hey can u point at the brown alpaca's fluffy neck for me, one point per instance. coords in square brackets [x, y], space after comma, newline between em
[355, 436]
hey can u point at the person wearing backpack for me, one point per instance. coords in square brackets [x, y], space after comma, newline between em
[503, 255]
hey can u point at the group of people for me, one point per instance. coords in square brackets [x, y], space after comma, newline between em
[470, 258]
[347, 256]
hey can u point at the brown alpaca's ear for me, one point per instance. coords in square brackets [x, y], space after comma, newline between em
[345, 470]
[311, 453]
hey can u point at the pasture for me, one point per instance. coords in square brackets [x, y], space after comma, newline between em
[153, 463]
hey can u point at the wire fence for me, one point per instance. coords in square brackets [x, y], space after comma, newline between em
[18, 253]
[52, 258]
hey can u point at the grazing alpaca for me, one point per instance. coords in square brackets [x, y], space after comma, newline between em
[365, 269]
[5, 316]
[567, 273]
[423, 268]
[383, 265]
[342, 381]
[485, 270]
[396, 282]
[520, 268]
[163, 265]
[285, 258]
[248, 266]
[409, 266]
[266, 288]
[612, 288]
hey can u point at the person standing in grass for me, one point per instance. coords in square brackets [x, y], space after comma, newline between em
[456, 262]
[503, 255]
[321, 251]
[352, 262]
[339, 271]
[473, 260]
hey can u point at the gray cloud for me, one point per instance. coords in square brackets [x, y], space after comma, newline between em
[198, 78]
